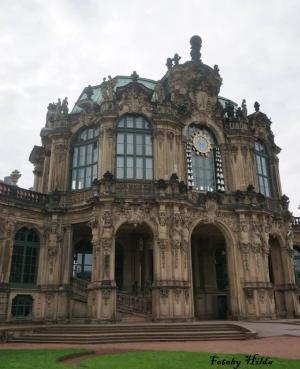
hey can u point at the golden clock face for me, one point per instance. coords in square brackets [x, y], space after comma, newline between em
[201, 143]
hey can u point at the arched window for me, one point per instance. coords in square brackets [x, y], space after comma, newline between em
[22, 306]
[25, 257]
[85, 158]
[262, 168]
[134, 148]
[204, 161]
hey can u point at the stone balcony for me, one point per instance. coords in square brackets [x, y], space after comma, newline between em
[151, 191]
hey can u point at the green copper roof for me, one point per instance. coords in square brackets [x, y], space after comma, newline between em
[121, 81]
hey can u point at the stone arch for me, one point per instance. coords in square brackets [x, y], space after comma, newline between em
[133, 266]
[37, 229]
[210, 126]
[232, 296]
[149, 223]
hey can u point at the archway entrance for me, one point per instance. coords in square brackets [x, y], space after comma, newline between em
[276, 275]
[210, 277]
[134, 268]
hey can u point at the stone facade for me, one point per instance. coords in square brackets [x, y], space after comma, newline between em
[169, 231]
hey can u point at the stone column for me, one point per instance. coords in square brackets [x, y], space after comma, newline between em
[6, 249]
[102, 289]
[59, 162]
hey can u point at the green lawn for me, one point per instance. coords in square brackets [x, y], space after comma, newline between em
[46, 359]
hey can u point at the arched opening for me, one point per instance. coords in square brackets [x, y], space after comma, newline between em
[24, 264]
[82, 252]
[21, 306]
[134, 268]
[276, 275]
[210, 276]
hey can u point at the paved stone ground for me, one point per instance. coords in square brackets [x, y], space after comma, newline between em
[278, 339]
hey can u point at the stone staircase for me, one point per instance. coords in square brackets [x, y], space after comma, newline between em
[118, 333]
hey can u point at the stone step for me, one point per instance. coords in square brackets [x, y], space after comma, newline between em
[160, 338]
[133, 333]
[117, 333]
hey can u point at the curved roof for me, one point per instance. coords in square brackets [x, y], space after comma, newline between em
[123, 81]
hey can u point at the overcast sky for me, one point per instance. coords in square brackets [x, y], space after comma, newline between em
[51, 49]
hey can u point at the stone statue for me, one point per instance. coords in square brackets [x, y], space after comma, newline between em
[244, 108]
[216, 69]
[176, 59]
[229, 109]
[58, 109]
[256, 106]
[169, 63]
[196, 43]
[89, 91]
[64, 107]
[107, 89]
[134, 76]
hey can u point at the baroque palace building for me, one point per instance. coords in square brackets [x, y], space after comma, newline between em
[159, 198]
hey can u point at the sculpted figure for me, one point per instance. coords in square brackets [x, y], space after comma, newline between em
[64, 107]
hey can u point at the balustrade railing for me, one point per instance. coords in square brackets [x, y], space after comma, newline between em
[141, 304]
[171, 189]
[22, 194]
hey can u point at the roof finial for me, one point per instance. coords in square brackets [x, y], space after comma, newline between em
[196, 43]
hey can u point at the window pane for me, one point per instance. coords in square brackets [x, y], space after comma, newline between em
[88, 177]
[139, 168]
[121, 123]
[149, 150]
[82, 155]
[95, 153]
[129, 149]
[95, 171]
[83, 135]
[129, 167]
[264, 166]
[74, 174]
[129, 122]
[120, 148]
[120, 138]
[149, 163]
[90, 133]
[139, 122]
[75, 156]
[120, 162]
[89, 149]
[267, 187]
[80, 178]
[120, 172]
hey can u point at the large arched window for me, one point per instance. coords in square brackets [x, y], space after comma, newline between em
[204, 161]
[85, 158]
[134, 148]
[262, 169]
[25, 257]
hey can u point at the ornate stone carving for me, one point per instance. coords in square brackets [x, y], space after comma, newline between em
[177, 293]
[107, 219]
[162, 245]
[162, 218]
[164, 294]
[249, 294]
